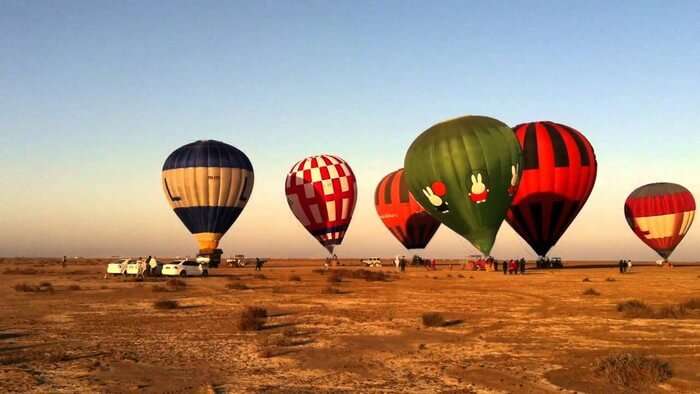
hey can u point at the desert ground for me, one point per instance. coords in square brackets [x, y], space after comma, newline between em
[533, 333]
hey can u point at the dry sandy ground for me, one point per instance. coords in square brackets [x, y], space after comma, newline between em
[535, 333]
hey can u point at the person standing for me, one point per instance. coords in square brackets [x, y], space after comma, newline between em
[505, 267]
[63, 263]
[495, 265]
[258, 264]
[620, 265]
[402, 264]
[522, 266]
[629, 265]
[434, 264]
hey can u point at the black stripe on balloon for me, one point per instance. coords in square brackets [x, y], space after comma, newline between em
[387, 188]
[536, 214]
[403, 188]
[530, 158]
[327, 230]
[208, 153]
[244, 195]
[555, 218]
[400, 234]
[561, 155]
[207, 219]
[520, 222]
[585, 160]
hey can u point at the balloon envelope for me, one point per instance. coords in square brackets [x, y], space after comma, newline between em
[401, 213]
[321, 192]
[464, 172]
[559, 171]
[660, 214]
[207, 183]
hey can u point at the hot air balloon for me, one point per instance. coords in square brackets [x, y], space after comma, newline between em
[322, 191]
[207, 183]
[464, 172]
[660, 214]
[559, 170]
[402, 214]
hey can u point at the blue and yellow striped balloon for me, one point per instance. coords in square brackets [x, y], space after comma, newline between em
[207, 183]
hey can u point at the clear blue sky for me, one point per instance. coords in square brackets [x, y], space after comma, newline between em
[94, 95]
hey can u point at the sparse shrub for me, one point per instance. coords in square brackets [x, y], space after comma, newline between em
[252, 318]
[25, 287]
[166, 304]
[671, 312]
[591, 292]
[175, 284]
[632, 370]
[331, 290]
[291, 331]
[610, 279]
[635, 308]
[586, 280]
[295, 278]
[433, 319]
[237, 286]
[335, 277]
[460, 276]
[42, 287]
[74, 288]
[21, 271]
[104, 287]
[449, 275]
[319, 271]
[259, 276]
[159, 289]
[692, 304]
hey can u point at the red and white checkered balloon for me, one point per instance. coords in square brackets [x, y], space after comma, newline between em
[322, 191]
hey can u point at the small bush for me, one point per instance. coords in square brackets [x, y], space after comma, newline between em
[21, 271]
[259, 276]
[252, 318]
[460, 276]
[586, 280]
[610, 279]
[237, 286]
[671, 312]
[74, 288]
[166, 304]
[635, 308]
[335, 277]
[175, 284]
[295, 278]
[42, 287]
[319, 271]
[692, 304]
[591, 292]
[633, 370]
[433, 319]
[331, 290]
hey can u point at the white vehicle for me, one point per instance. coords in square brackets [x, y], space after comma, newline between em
[372, 262]
[118, 267]
[238, 260]
[135, 267]
[185, 268]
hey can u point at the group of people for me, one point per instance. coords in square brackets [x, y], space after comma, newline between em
[400, 263]
[546, 262]
[625, 266]
[511, 267]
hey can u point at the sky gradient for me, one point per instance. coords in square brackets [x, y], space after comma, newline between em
[95, 95]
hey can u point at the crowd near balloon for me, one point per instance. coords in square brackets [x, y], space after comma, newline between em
[470, 174]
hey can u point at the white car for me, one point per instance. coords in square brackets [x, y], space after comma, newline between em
[118, 267]
[372, 262]
[185, 268]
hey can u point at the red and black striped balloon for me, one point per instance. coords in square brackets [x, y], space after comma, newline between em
[402, 214]
[559, 171]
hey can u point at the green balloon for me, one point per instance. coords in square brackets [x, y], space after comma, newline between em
[464, 172]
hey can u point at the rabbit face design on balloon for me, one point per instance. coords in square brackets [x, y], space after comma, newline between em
[515, 178]
[479, 192]
[435, 193]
